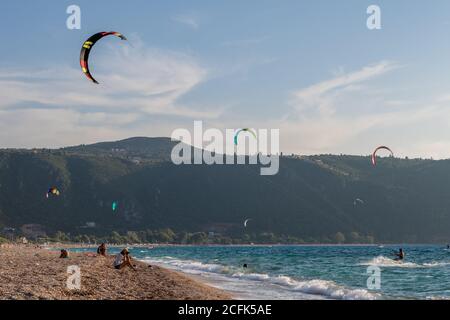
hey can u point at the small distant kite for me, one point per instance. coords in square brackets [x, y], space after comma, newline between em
[52, 191]
[86, 50]
[239, 131]
[114, 205]
[374, 154]
[358, 201]
[245, 222]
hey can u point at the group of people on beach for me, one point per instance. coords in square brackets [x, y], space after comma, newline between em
[122, 259]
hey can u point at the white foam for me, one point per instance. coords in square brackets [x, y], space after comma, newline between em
[436, 264]
[382, 261]
[288, 286]
[385, 262]
[324, 288]
[190, 265]
[251, 276]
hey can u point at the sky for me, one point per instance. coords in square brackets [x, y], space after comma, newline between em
[311, 69]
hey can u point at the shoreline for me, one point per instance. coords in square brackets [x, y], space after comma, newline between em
[156, 245]
[30, 273]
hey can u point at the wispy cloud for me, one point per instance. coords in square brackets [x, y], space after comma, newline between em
[137, 79]
[326, 118]
[320, 95]
[189, 20]
[346, 114]
[136, 83]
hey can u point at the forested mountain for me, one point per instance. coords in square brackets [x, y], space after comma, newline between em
[312, 197]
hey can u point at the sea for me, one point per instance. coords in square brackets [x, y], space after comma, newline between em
[310, 272]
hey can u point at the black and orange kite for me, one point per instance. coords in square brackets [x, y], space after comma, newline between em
[86, 49]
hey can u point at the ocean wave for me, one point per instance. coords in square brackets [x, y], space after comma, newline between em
[386, 262]
[323, 288]
[436, 264]
[189, 265]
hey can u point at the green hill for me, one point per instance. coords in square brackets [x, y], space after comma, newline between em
[312, 198]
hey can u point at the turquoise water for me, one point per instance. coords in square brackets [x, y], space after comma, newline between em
[310, 272]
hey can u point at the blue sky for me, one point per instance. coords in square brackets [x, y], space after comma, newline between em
[310, 68]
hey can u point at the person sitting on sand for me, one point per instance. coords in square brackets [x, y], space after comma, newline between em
[400, 254]
[101, 250]
[64, 254]
[123, 259]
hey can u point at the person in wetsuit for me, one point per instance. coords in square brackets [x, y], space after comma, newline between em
[400, 254]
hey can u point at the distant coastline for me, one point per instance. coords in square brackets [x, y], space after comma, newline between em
[146, 245]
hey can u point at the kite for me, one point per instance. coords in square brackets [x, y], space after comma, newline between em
[114, 205]
[86, 50]
[357, 201]
[53, 190]
[246, 221]
[374, 154]
[239, 131]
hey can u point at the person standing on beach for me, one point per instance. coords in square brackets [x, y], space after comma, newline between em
[123, 259]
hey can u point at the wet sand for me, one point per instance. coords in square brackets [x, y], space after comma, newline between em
[33, 273]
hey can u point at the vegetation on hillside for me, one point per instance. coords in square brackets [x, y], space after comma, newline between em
[311, 199]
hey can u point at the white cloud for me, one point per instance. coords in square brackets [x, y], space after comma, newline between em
[346, 115]
[58, 105]
[321, 96]
[187, 19]
[139, 79]
[344, 80]
[356, 134]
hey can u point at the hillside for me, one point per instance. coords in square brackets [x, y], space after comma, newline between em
[311, 197]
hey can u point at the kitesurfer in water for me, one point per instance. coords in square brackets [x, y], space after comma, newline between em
[400, 254]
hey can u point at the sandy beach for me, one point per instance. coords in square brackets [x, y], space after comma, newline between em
[35, 273]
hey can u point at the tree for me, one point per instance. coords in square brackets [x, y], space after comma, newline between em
[61, 237]
[166, 235]
[133, 237]
[339, 237]
[116, 237]
[370, 239]
[78, 238]
[142, 236]
[150, 235]
[183, 237]
[354, 237]
[199, 237]
[85, 238]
